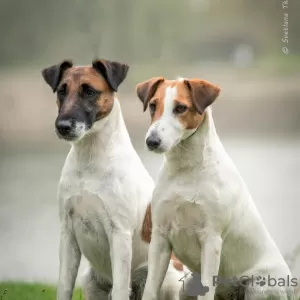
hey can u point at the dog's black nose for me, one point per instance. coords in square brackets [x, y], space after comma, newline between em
[64, 127]
[153, 142]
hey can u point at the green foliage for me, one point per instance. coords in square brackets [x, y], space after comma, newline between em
[30, 291]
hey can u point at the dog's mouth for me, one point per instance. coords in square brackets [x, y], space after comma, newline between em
[158, 150]
[69, 137]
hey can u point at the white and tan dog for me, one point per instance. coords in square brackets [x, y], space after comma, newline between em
[104, 188]
[201, 208]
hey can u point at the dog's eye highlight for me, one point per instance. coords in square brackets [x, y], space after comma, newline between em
[90, 92]
[152, 107]
[180, 108]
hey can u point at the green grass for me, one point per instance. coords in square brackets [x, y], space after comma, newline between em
[31, 291]
[36, 291]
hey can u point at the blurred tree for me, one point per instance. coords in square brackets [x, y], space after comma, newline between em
[138, 31]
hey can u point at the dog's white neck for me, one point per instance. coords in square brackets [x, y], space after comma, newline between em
[197, 149]
[105, 137]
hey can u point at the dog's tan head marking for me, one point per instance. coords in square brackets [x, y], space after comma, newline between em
[147, 89]
[176, 107]
[146, 237]
[85, 94]
[113, 72]
[203, 93]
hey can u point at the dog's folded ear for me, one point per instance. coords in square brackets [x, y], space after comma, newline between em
[53, 74]
[146, 90]
[203, 93]
[113, 72]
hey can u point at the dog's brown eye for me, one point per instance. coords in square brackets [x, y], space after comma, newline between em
[152, 107]
[61, 93]
[179, 109]
[88, 91]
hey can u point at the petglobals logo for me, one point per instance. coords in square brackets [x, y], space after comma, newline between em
[267, 281]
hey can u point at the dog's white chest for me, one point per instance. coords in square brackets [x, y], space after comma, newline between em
[183, 222]
[99, 200]
[91, 219]
[185, 212]
[185, 230]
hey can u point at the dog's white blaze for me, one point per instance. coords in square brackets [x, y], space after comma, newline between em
[168, 112]
[170, 95]
[167, 127]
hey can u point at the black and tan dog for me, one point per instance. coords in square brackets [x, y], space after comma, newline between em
[104, 188]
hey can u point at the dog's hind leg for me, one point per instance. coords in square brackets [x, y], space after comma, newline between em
[94, 287]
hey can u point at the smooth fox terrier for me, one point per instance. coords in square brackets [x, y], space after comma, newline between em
[104, 188]
[201, 208]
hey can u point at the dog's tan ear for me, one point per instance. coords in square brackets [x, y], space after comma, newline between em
[203, 93]
[146, 90]
[53, 74]
[113, 72]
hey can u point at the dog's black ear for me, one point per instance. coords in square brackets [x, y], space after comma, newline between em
[146, 90]
[203, 93]
[113, 72]
[53, 74]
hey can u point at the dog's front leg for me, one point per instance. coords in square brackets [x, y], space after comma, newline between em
[69, 256]
[158, 261]
[121, 256]
[211, 247]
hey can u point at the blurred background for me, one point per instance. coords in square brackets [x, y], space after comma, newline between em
[237, 44]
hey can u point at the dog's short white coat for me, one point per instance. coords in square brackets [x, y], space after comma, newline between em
[103, 194]
[203, 212]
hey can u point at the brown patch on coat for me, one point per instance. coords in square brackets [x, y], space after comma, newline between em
[190, 119]
[147, 225]
[203, 93]
[145, 90]
[177, 264]
[195, 94]
[146, 237]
